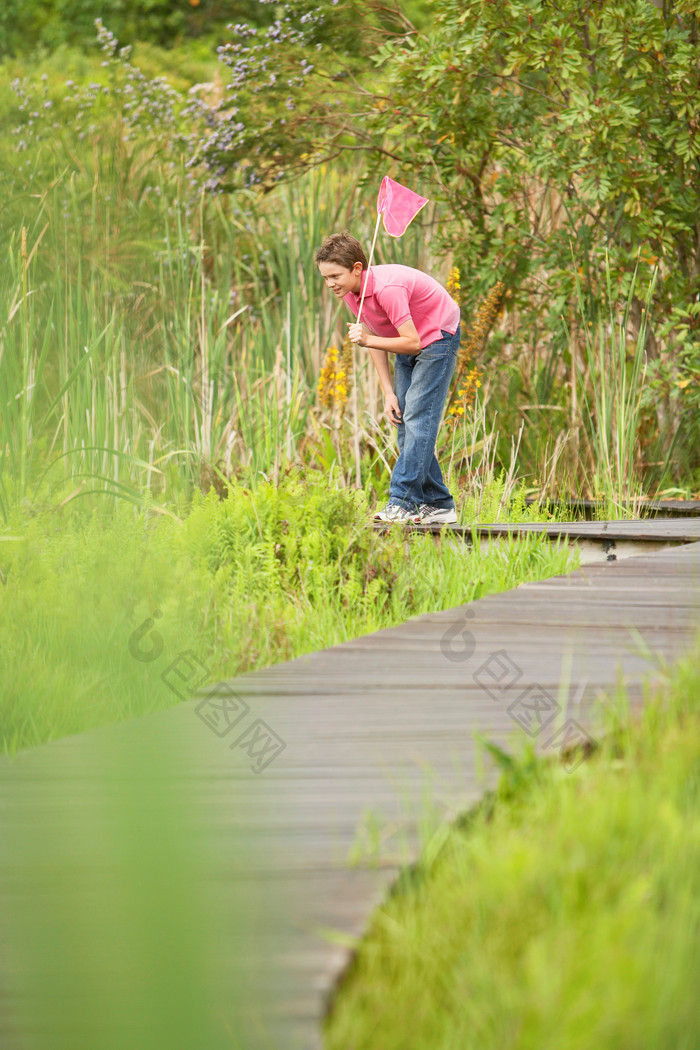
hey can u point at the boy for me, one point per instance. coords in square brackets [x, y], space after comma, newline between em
[409, 314]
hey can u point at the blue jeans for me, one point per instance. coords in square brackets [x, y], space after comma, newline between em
[421, 383]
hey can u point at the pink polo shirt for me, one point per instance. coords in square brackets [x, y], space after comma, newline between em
[399, 293]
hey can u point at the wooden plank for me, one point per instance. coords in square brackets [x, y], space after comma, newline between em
[648, 507]
[685, 531]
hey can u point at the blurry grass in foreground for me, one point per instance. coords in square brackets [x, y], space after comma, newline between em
[561, 914]
[114, 933]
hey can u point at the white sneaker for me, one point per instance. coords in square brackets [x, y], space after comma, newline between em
[436, 515]
[395, 512]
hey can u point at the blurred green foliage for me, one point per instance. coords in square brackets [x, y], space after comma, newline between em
[26, 25]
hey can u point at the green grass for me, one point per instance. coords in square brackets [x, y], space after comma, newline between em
[263, 576]
[562, 913]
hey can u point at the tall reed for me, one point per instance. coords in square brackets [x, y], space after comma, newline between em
[610, 386]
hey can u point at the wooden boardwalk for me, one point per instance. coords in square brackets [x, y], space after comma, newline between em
[667, 531]
[595, 540]
[368, 744]
[654, 508]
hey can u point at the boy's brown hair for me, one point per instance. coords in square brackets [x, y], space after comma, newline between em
[343, 249]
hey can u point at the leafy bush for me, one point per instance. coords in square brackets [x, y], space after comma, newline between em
[291, 79]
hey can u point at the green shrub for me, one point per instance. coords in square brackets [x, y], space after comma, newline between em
[269, 573]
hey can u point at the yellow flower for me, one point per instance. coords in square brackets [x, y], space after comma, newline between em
[468, 379]
[335, 377]
[453, 285]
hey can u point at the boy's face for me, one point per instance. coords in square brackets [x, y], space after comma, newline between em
[341, 280]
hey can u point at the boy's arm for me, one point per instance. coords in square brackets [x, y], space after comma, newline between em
[407, 342]
[391, 410]
[391, 404]
[381, 363]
